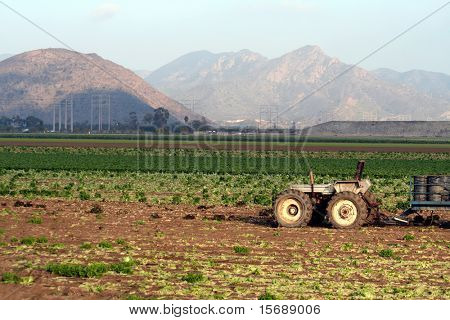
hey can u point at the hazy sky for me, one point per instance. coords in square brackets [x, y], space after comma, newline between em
[145, 34]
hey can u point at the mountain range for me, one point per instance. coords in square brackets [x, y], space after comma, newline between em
[4, 56]
[245, 87]
[32, 83]
[232, 88]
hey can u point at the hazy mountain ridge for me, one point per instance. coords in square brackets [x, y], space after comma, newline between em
[433, 83]
[232, 86]
[31, 82]
[4, 56]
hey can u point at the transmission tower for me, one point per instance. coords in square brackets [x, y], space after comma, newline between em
[190, 103]
[101, 103]
[270, 113]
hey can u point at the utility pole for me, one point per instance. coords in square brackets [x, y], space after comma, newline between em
[71, 114]
[272, 114]
[190, 103]
[65, 115]
[59, 117]
[109, 112]
[54, 116]
[92, 111]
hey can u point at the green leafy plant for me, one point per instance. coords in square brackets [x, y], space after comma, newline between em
[408, 237]
[28, 241]
[267, 296]
[35, 220]
[386, 253]
[105, 245]
[42, 239]
[9, 277]
[241, 250]
[91, 270]
[86, 246]
[193, 277]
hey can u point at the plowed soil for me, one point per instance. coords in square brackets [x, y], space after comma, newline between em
[310, 147]
[239, 253]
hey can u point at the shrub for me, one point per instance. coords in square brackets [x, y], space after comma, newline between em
[386, 253]
[241, 250]
[193, 277]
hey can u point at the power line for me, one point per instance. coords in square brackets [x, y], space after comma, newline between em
[292, 106]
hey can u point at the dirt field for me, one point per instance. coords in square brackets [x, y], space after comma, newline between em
[309, 147]
[180, 252]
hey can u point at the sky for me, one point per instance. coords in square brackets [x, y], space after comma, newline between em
[146, 34]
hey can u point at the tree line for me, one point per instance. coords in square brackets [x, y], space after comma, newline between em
[159, 121]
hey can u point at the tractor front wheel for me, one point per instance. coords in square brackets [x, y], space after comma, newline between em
[347, 210]
[292, 209]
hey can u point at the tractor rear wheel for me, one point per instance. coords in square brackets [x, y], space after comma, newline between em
[347, 210]
[292, 209]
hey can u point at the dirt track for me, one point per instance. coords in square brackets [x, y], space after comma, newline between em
[231, 146]
[170, 242]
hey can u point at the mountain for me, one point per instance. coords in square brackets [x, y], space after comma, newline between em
[142, 73]
[5, 56]
[32, 83]
[434, 84]
[234, 87]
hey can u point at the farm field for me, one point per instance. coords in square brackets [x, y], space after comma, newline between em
[127, 223]
[107, 250]
[200, 176]
[244, 143]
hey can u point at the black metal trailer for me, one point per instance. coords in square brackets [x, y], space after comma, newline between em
[430, 193]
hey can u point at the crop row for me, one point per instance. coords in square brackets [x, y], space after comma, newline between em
[266, 138]
[146, 152]
[221, 163]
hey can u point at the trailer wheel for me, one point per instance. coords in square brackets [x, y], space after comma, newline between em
[347, 210]
[292, 209]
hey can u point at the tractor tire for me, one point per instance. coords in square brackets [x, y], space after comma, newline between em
[347, 210]
[293, 209]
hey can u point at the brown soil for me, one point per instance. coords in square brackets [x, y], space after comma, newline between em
[234, 146]
[169, 242]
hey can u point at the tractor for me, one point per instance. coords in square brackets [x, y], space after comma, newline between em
[348, 204]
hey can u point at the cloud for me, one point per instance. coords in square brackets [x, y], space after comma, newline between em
[105, 11]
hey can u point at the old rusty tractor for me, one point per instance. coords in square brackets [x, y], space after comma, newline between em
[345, 204]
